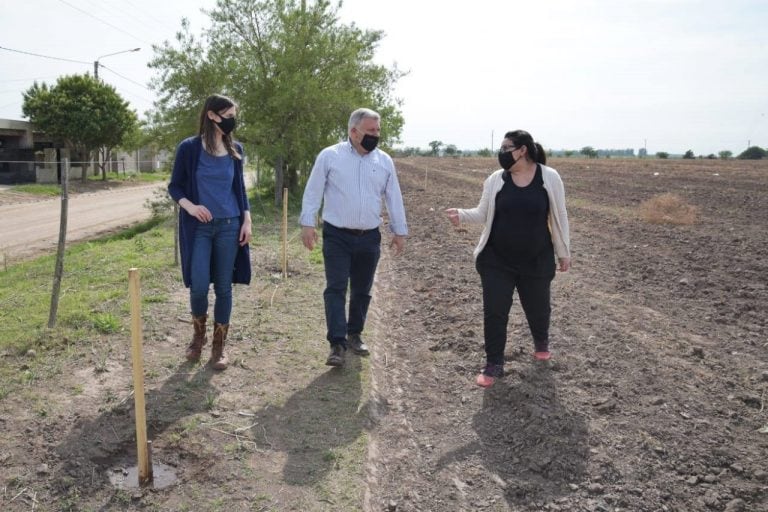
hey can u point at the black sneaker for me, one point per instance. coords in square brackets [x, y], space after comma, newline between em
[355, 343]
[336, 357]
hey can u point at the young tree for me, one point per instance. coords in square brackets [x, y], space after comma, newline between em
[295, 70]
[81, 111]
[725, 155]
[689, 155]
[436, 145]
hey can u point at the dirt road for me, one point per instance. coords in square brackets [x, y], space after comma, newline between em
[30, 228]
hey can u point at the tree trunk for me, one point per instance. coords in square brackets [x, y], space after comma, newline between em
[292, 179]
[59, 267]
[103, 164]
[88, 158]
[279, 180]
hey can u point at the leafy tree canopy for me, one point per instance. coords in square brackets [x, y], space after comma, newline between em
[753, 153]
[436, 145]
[295, 70]
[79, 110]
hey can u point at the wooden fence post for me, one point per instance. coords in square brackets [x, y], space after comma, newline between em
[285, 233]
[142, 446]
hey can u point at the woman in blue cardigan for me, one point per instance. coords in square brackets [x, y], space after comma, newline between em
[214, 222]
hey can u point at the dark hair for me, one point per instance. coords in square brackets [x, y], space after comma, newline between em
[522, 138]
[216, 103]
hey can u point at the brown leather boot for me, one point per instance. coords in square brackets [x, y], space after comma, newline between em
[198, 338]
[218, 360]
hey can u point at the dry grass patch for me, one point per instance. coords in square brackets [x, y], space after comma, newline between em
[668, 208]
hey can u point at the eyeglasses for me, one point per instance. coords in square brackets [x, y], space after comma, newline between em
[504, 149]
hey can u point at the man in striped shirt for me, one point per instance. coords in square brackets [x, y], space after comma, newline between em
[350, 179]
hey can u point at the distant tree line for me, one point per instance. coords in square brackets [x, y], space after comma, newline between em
[438, 148]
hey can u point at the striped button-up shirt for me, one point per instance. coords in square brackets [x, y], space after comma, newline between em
[351, 187]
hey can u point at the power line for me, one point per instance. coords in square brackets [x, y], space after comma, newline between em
[43, 56]
[123, 12]
[105, 22]
[102, 66]
[149, 16]
[111, 11]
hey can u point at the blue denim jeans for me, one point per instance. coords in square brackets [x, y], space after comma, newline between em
[213, 261]
[350, 261]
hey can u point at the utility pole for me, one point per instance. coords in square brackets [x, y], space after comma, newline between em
[491, 140]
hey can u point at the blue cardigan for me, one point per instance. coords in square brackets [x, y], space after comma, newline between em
[184, 184]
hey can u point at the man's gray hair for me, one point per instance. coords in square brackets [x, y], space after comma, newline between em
[362, 113]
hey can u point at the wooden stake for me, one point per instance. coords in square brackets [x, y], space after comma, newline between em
[285, 233]
[145, 468]
[58, 270]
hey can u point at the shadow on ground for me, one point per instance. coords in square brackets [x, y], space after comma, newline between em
[95, 446]
[528, 438]
[314, 422]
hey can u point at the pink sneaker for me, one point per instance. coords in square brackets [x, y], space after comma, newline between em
[488, 376]
[542, 356]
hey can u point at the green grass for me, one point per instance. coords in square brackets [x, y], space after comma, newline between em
[322, 425]
[147, 177]
[94, 295]
[37, 189]
[114, 178]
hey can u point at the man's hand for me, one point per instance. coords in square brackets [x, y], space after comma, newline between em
[398, 244]
[308, 237]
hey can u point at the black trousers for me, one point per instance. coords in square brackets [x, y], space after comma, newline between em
[499, 282]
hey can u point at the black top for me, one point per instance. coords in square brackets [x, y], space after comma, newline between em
[520, 236]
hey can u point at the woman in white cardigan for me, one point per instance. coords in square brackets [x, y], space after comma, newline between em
[526, 228]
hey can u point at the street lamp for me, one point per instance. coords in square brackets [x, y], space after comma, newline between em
[96, 62]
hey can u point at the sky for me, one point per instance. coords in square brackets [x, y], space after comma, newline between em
[667, 75]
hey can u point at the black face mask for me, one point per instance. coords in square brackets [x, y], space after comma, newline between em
[506, 160]
[227, 124]
[369, 142]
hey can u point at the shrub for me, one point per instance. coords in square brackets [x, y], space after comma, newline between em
[667, 209]
[662, 154]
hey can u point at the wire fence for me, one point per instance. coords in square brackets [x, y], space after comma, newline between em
[89, 162]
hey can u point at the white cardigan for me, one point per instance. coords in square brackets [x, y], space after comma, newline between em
[558, 217]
